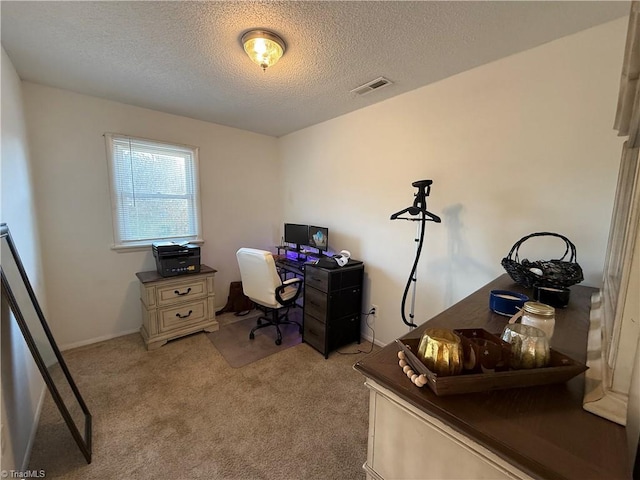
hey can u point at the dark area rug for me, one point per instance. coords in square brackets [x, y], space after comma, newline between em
[232, 340]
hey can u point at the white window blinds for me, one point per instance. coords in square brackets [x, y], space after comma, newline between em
[154, 191]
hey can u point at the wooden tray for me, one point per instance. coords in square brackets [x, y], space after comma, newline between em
[561, 368]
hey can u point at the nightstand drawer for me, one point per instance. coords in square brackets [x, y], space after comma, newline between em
[182, 291]
[182, 315]
[176, 306]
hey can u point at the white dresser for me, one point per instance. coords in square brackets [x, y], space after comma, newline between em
[176, 306]
[517, 433]
[407, 443]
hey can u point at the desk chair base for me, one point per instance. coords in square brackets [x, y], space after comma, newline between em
[276, 320]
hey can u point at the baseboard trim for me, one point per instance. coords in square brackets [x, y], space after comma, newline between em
[102, 338]
[370, 339]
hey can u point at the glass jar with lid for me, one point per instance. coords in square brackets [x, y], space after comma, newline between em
[539, 315]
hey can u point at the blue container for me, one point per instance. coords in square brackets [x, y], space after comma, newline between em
[504, 302]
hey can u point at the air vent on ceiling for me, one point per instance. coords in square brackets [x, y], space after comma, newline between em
[368, 87]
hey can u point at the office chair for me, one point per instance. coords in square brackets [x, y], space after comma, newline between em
[262, 284]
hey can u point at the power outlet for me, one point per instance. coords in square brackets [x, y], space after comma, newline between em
[374, 311]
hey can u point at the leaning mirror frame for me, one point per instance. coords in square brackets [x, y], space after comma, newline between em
[84, 442]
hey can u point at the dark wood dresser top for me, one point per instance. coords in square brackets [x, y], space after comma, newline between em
[543, 430]
[154, 276]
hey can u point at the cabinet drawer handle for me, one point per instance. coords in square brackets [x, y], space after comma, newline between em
[182, 293]
[184, 316]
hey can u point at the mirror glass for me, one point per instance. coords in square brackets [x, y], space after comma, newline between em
[18, 293]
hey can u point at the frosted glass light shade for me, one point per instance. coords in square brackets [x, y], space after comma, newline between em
[264, 48]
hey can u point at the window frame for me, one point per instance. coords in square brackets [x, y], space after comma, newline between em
[118, 242]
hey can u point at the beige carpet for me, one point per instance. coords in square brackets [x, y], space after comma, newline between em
[233, 342]
[181, 412]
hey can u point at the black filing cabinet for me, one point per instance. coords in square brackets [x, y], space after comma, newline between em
[332, 306]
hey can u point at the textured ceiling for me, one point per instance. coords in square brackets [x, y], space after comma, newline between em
[185, 58]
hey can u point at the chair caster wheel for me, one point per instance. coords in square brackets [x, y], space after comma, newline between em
[251, 336]
[278, 341]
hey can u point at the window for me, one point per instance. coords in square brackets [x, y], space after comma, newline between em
[154, 191]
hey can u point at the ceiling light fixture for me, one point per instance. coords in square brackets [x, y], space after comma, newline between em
[263, 47]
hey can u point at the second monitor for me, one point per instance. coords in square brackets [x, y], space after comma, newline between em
[318, 238]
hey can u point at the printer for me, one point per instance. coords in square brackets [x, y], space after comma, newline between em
[176, 258]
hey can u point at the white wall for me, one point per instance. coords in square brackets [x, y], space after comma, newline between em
[92, 290]
[523, 144]
[22, 386]
[520, 145]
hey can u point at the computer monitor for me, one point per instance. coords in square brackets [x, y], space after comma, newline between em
[296, 233]
[318, 238]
